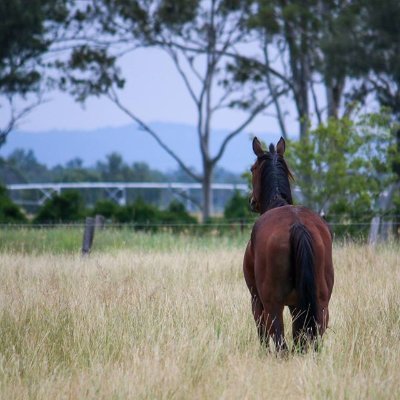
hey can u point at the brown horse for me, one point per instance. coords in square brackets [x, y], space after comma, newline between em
[288, 260]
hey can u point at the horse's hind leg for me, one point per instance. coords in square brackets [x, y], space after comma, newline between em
[301, 337]
[273, 317]
[258, 314]
[256, 304]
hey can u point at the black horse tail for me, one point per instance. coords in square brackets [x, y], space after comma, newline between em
[302, 254]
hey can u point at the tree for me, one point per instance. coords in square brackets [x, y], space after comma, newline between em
[342, 167]
[379, 49]
[26, 165]
[196, 35]
[74, 171]
[27, 29]
[114, 169]
[302, 46]
[141, 172]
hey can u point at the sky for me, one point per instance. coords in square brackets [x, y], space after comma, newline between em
[153, 90]
[156, 93]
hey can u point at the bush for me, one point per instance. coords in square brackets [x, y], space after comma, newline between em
[176, 214]
[107, 208]
[144, 215]
[140, 213]
[65, 207]
[238, 208]
[10, 213]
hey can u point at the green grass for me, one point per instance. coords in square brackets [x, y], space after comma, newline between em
[69, 240]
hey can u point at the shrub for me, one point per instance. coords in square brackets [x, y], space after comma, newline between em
[238, 208]
[107, 208]
[176, 214]
[65, 207]
[140, 213]
[144, 215]
[9, 212]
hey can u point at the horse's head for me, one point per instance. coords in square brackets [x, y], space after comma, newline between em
[270, 178]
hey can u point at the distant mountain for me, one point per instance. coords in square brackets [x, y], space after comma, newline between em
[57, 146]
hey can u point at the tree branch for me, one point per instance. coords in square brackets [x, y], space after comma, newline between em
[16, 117]
[233, 55]
[272, 89]
[185, 79]
[112, 95]
[315, 101]
[243, 125]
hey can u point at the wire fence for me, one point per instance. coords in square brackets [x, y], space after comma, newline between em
[393, 221]
[79, 236]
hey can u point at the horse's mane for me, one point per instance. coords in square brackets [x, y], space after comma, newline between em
[275, 175]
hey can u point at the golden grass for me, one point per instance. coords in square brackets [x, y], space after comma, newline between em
[178, 325]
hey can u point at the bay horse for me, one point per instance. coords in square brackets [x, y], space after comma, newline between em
[288, 260]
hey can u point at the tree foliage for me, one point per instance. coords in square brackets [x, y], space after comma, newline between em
[65, 207]
[238, 208]
[342, 167]
[10, 213]
[145, 216]
[22, 166]
[27, 30]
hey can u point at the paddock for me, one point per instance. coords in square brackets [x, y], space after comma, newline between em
[168, 316]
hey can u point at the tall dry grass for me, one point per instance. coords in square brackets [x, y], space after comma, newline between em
[177, 325]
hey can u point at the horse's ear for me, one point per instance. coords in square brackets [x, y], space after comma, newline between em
[258, 151]
[280, 147]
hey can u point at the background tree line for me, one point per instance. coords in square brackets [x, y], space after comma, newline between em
[22, 166]
[71, 206]
[324, 57]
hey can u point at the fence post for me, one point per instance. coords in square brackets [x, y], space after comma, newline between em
[99, 221]
[88, 236]
[374, 230]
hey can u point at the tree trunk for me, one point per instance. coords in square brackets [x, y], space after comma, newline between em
[396, 169]
[207, 192]
[334, 91]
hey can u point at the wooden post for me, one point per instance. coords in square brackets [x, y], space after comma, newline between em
[374, 231]
[99, 221]
[88, 236]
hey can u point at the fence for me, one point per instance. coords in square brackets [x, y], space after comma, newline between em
[375, 227]
[380, 229]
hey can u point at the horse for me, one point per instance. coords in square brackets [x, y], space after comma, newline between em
[288, 259]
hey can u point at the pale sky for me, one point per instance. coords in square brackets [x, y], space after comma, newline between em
[153, 90]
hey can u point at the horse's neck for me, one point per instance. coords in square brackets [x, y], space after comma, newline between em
[275, 201]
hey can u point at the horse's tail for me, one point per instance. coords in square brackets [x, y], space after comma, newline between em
[302, 254]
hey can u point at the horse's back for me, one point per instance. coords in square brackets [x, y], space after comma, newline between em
[271, 245]
[273, 227]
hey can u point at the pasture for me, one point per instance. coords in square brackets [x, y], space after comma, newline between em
[161, 316]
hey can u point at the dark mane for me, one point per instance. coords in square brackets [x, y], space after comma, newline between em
[275, 183]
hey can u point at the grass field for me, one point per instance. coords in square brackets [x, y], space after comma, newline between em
[168, 317]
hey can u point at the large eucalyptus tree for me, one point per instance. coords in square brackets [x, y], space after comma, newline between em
[198, 36]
